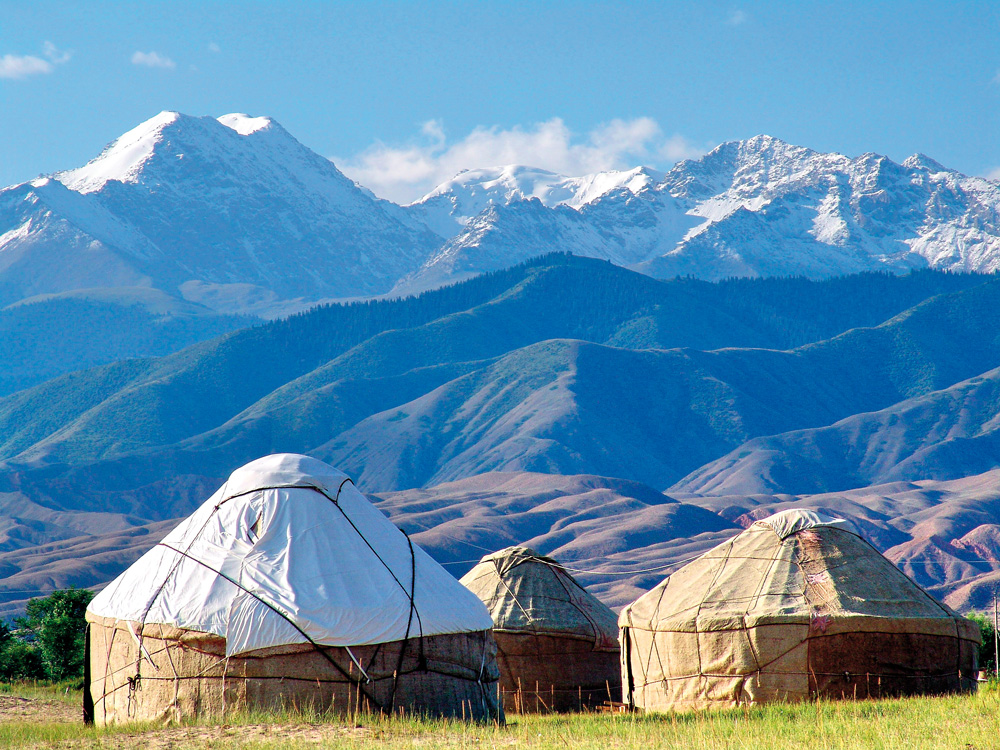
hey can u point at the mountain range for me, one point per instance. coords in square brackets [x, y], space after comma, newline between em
[523, 379]
[620, 369]
[185, 227]
[235, 215]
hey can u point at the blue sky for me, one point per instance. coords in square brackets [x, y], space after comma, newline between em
[402, 95]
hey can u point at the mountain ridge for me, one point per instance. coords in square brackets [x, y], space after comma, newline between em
[234, 214]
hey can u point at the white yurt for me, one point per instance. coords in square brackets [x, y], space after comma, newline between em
[288, 588]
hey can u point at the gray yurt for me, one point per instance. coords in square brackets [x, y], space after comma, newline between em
[287, 588]
[557, 645]
[796, 607]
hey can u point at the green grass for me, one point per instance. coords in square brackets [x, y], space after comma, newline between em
[68, 692]
[963, 722]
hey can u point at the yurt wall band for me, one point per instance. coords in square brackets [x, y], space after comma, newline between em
[797, 606]
[557, 644]
[288, 589]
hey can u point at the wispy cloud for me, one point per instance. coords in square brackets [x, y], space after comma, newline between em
[404, 173]
[213, 47]
[153, 60]
[22, 66]
[996, 78]
[677, 148]
[56, 56]
[737, 17]
[993, 174]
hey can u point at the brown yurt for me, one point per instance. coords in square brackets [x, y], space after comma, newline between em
[796, 607]
[286, 589]
[557, 645]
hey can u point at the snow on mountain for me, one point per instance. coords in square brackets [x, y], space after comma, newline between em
[236, 215]
[759, 207]
[233, 213]
[774, 208]
[451, 206]
[621, 226]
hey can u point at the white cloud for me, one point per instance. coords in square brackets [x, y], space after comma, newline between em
[993, 174]
[22, 66]
[405, 173]
[213, 47]
[152, 60]
[737, 17]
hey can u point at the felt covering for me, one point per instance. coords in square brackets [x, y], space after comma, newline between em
[790, 609]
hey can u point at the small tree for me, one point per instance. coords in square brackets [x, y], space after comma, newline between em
[18, 660]
[57, 626]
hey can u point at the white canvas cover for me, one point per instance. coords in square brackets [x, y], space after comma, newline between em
[289, 547]
[794, 520]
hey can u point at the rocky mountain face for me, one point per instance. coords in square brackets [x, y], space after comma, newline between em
[233, 214]
[759, 207]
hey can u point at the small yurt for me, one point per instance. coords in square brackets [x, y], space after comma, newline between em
[557, 645]
[797, 606]
[287, 589]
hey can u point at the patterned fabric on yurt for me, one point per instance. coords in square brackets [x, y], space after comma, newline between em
[797, 606]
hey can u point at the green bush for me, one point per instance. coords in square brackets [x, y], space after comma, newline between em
[49, 641]
[987, 651]
[18, 660]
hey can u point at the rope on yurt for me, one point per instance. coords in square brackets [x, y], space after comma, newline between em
[357, 683]
[135, 682]
[421, 659]
[479, 679]
[513, 596]
[752, 602]
[347, 518]
[557, 570]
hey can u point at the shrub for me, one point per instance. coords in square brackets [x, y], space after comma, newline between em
[987, 651]
[18, 660]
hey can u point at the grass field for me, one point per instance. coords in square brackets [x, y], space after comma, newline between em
[49, 719]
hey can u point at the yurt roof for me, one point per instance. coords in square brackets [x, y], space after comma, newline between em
[788, 522]
[528, 593]
[790, 567]
[289, 551]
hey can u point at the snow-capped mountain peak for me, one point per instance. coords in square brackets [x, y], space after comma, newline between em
[123, 159]
[926, 163]
[233, 213]
[758, 207]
